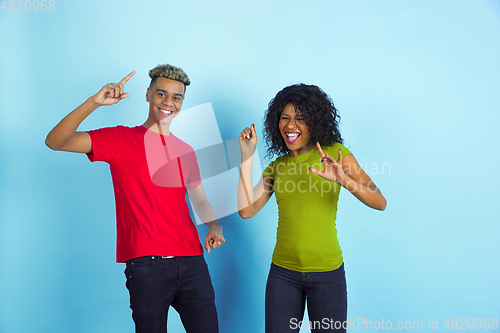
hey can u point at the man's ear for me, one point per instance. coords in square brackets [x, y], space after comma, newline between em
[147, 95]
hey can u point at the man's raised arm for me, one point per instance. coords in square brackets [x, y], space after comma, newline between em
[64, 135]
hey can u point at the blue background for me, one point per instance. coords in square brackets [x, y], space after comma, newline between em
[417, 84]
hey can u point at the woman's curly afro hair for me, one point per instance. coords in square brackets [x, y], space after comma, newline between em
[314, 105]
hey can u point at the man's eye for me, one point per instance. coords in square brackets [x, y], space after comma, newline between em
[161, 95]
[176, 98]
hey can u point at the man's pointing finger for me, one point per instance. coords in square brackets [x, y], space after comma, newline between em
[126, 78]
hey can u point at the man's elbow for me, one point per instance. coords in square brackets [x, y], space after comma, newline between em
[50, 144]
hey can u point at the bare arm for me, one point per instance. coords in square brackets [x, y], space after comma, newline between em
[250, 199]
[202, 207]
[347, 173]
[64, 135]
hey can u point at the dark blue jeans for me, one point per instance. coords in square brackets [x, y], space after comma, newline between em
[156, 283]
[286, 294]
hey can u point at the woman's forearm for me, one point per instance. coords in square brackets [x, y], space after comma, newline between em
[369, 195]
[246, 194]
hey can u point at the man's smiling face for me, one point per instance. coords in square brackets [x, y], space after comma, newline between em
[165, 97]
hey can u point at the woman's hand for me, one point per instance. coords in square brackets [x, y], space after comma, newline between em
[333, 170]
[248, 142]
[350, 176]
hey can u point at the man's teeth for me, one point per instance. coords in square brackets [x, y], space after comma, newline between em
[165, 111]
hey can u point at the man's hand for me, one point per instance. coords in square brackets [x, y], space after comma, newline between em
[112, 93]
[214, 238]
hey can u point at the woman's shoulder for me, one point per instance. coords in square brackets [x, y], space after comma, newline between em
[277, 159]
[272, 164]
[333, 149]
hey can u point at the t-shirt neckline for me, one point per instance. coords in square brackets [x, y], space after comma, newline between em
[144, 130]
[302, 157]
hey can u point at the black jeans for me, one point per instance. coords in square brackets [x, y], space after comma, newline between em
[155, 283]
[286, 294]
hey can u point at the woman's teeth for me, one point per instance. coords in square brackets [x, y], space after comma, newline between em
[292, 137]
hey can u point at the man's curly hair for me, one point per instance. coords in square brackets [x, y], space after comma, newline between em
[169, 72]
[314, 105]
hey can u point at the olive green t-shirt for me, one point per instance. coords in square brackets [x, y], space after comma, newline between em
[306, 240]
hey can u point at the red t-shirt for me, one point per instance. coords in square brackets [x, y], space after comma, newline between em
[150, 175]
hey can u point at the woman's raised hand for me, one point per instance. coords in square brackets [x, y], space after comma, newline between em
[333, 170]
[248, 141]
[112, 93]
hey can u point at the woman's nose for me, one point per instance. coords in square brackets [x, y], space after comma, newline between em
[291, 124]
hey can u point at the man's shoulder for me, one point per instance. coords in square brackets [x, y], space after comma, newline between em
[119, 128]
[138, 130]
[180, 143]
[116, 134]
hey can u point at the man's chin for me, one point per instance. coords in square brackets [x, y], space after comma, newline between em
[166, 120]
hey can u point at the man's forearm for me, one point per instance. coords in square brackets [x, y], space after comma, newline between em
[213, 224]
[206, 213]
[68, 126]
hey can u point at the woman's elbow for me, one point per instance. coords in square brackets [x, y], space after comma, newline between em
[382, 205]
[245, 214]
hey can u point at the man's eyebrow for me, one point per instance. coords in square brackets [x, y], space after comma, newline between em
[176, 94]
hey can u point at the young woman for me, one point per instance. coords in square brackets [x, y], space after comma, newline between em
[301, 128]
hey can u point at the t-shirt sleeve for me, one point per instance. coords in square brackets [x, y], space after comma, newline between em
[194, 178]
[269, 171]
[105, 144]
[344, 150]
[333, 150]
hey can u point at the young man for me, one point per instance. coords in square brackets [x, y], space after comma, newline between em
[152, 170]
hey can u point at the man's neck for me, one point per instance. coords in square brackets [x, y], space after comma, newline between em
[163, 129]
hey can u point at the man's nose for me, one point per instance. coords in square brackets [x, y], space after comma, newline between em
[168, 101]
